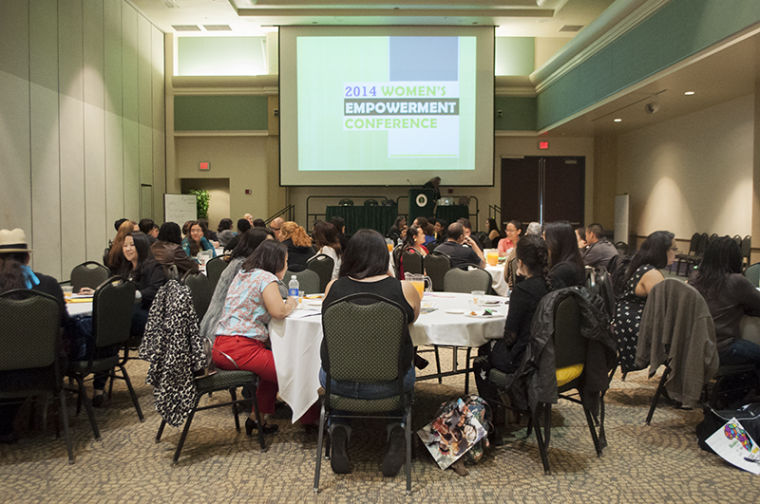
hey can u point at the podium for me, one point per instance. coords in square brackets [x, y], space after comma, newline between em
[421, 204]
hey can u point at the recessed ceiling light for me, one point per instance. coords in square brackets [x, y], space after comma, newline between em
[617, 119]
[689, 93]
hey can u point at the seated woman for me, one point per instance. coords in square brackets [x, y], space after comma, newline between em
[326, 239]
[414, 241]
[294, 237]
[506, 245]
[494, 236]
[364, 269]
[15, 273]
[195, 242]
[167, 249]
[247, 243]
[730, 297]
[114, 259]
[395, 232]
[506, 353]
[242, 334]
[642, 273]
[565, 263]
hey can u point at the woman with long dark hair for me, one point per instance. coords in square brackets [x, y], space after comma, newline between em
[327, 242]
[242, 334]
[364, 269]
[643, 273]
[247, 243]
[565, 263]
[730, 297]
[414, 242]
[195, 241]
[167, 249]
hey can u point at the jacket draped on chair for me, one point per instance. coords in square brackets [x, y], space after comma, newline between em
[173, 347]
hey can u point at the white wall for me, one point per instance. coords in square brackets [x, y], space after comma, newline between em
[693, 173]
[81, 124]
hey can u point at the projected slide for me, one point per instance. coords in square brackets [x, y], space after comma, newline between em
[386, 103]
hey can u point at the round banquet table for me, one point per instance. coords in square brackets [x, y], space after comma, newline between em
[445, 320]
[498, 281]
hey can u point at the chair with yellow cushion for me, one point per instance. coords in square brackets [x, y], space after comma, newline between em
[570, 356]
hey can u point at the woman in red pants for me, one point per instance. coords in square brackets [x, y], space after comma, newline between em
[242, 340]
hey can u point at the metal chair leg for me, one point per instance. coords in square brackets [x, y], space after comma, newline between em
[320, 440]
[87, 406]
[63, 414]
[184, 431]
[160, 430]
[540, 439]
[657, 393]
[131, 393]
[438, 363]
[408, 435]
[468, 370]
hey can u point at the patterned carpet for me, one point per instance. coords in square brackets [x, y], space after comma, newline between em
[657, 463]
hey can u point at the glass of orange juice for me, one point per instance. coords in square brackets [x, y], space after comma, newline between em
[390, 247]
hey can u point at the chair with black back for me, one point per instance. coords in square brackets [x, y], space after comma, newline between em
[738, 240]
[370, 202]
[570, 357]
[214, 269]
[467, 280]
[436, 265]
[746, 248]
[396, 258]
[346, 202]
[412, 261]
[30, 363]
[683, 258]
[752, 273]
[112, 307]
[200, 289]
[622, 248]
[323, 266]
[88, 274]
[308, 280]
[364, 335]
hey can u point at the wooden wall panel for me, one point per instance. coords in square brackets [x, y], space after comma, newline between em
[16, 182]
[114, 142]
[96, 228]
[130, 113]
[71, 133]
[45, 143]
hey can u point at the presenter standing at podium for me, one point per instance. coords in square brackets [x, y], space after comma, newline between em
[434, 184]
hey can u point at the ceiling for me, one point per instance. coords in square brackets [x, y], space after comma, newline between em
[517, 18]
[717, 75]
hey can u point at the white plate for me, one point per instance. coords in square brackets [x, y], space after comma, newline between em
[311, 303]
[455, 312]
[480, 315]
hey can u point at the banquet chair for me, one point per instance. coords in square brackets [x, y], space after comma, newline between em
[752, 273]
[370, 202]
[364, 335]
[214, 269]
[746, 248]
[460, 280]
[30, 361]
[88, 274]
[411, 261]
[201, 291]
[570, 357]
[111, 320]
[308, 280]
[436, 265]
[688, 256]
[322, 265]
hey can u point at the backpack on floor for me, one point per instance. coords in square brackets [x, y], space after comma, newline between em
[748, 415]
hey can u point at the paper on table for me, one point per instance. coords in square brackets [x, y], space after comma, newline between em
[301, 313]
[736, 446]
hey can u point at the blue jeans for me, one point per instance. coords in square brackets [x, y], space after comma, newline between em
[741, 351]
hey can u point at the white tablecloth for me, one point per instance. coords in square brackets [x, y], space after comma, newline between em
[79, 308]
[499, 282]
[296, 340]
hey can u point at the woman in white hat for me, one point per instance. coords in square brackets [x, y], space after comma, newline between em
[15, 273]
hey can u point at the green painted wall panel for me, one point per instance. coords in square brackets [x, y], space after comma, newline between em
[517, 113]
[220, 112]
[678, 30]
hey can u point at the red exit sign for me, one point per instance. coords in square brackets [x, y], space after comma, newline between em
[543, 145]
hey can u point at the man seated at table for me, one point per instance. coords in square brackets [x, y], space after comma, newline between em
[461, 249]
[364, 269]
[599, 250]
